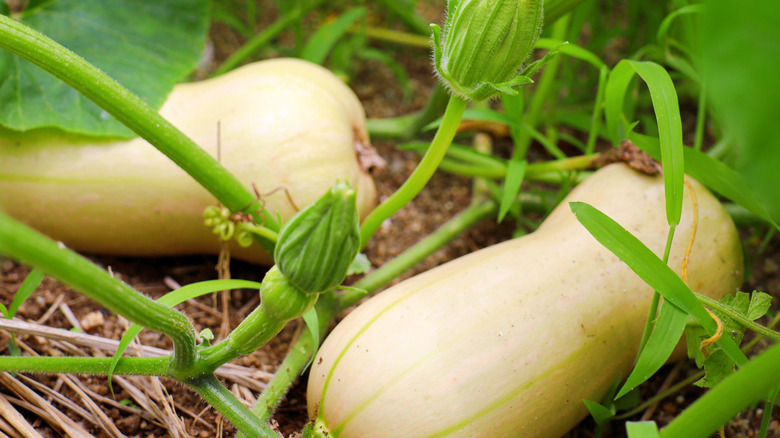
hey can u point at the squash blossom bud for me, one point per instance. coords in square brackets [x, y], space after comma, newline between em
[317, 246]
[485, 44]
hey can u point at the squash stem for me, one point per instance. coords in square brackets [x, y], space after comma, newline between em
[34, 249]
[132, 111]
[422, 173]
[128, 366]
[228, 405]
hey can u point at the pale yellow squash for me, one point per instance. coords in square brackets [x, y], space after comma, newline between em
[509, 340]
[283, 124]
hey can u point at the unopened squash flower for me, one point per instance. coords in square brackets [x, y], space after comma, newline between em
[485, 43]
[317, 246]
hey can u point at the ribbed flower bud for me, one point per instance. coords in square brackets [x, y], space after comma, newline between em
[317, 246]
[485, 44]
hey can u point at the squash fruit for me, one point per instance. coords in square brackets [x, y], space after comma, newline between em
[280, 124]
[508, 341]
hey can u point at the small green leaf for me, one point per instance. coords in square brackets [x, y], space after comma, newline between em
[360, 265]
[760, 303]
[313, 324]
[641, 429]
[146, 46]
[206, 336]
[600, 413]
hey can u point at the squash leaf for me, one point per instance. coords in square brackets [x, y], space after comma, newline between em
[716, 364]
[146, 46]
[740, 60]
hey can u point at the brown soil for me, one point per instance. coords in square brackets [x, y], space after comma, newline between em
[442, 198]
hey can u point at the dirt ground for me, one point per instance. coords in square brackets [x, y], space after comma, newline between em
[130, 414]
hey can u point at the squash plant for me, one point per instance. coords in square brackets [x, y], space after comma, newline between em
[475, 65]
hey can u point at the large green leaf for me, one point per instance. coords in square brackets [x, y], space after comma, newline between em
[146, 46]
[740, 64]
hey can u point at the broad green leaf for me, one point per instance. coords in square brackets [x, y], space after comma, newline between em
[740, 64]
[717, 176]
[641, 429]
[323, 40]
[514, 178]
[173, 298]
[668, 329]
[28, 286]
[146, 46]
[651, 269]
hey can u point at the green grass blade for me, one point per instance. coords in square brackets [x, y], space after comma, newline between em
[735, 393]
[667, 114]
[28, 286]
[614, 98]
[321, 43]
[514, 178]
[570, 49]
[666, 334]
[714, 174]
[651, 269]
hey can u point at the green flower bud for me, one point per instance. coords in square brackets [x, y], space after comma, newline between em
[317, 246]
[485, 44]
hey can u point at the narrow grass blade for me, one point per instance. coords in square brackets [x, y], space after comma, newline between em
[666, 334]
[667, 115]
[175, 297]
[514, 178]
[321, 43]
[735, 393]
[717, 176]
[570, 49]
[614, 98]
[651, 269]
[28, 286]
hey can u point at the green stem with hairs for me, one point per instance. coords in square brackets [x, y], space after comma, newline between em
[127, 366]
[132, 111]
[230, 407]
[736, 316]
[422, 173]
